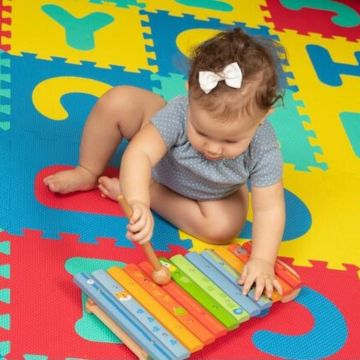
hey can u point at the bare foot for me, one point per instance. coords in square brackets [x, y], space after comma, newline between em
[77, 179]
[109, 187]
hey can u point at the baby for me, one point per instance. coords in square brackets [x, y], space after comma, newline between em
[191, 160]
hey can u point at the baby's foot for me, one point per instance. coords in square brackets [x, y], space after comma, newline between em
[109, 187]
[67, 181]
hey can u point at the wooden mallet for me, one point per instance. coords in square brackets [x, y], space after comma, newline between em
[161, 274]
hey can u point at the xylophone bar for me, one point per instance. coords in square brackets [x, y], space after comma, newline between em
[130, 316]
[191, 305]
[232, 268]
[202, 302]
[91, 307]
[208, 302]
[170, 303]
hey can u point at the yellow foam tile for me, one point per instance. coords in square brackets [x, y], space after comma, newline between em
[112, 47]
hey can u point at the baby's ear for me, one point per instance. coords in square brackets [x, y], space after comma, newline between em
[186, 85]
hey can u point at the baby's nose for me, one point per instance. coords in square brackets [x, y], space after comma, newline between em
[213, 149]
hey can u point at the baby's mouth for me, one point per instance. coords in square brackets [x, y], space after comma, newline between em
[211, 157]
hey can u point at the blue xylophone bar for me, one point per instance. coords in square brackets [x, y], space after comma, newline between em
[113, 308]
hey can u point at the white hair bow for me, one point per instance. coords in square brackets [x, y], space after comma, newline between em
[232, 75]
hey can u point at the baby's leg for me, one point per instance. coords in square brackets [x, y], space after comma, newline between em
[215, 222]
[121, 112]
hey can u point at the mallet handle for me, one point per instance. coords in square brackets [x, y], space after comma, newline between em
[148, 249]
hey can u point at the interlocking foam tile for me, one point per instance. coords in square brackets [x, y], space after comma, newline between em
[329, 18]
[62, 56]
[5, 24]
[50, 293]
[82, 31]
[183, 34]
[5, 91]
[228, 11]
[293, 137]
[60, 116]
[331, 309]
[5, 139]
[329, 195]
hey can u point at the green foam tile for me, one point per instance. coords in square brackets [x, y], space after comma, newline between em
[5, 321]
[171, 86]
[293, 138]
[5, 271]
[4, 348]
[5, 247]
[5, 296]
[351, 124]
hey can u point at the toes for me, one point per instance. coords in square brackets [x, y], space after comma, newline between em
[104, 191]
[47, 179]
[53, 187]
[101, 179]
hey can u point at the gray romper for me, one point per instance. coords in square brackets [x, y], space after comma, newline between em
[187, 172]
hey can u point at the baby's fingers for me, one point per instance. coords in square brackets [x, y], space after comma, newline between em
[260, 285]
[269, 288]
[277, 286]
[144, 234]
[248, 283]
[138, 225]
[136, 215]
[243, 277]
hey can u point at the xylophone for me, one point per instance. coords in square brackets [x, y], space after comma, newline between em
[201, 303]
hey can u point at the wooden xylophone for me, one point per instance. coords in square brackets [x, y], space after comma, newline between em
[201, 303]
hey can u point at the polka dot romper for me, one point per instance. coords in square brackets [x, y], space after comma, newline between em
[187, 172]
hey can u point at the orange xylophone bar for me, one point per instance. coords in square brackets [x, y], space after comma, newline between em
[201, 303]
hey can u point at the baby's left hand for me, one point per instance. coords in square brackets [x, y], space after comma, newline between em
[261, 272]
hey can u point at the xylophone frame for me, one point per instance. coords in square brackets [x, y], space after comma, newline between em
[242, 252]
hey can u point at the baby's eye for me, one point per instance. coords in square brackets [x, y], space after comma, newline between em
[231, 141]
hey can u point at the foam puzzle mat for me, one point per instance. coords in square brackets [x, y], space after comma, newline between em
[58, 57]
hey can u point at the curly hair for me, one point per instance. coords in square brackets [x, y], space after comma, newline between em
[259, 60]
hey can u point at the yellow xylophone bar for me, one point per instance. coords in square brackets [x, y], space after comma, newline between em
[203, 286]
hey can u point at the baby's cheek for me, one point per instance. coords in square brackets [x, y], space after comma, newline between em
[231, 154]
[235, 152]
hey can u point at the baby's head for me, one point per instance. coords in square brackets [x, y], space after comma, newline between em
[233, 85]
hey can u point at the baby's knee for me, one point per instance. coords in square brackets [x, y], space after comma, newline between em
[220, 232]
[117, 97]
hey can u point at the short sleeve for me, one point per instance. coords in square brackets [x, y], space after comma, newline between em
[170, 120]
[266, 167]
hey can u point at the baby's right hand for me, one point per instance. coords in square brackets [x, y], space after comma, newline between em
[141, 223]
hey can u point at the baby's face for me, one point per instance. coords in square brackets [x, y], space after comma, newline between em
[217, 140]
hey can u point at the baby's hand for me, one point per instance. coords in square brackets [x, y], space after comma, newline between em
[261, 272]
[141, 223]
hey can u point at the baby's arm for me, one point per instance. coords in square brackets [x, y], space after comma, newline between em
[268, 227]
[143, 152]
